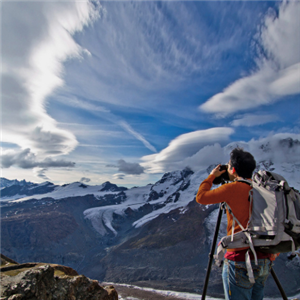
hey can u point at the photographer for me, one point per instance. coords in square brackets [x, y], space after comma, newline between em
[235, 279]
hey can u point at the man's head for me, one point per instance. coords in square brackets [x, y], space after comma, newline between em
[243, 162]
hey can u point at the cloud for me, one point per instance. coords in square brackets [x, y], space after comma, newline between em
[182, 151]
[25, 159]
[36, 41]
[249, 120]
[205, 157]
[172, 47]
[278, 67]
[127, 168]
[84, 179]
[279, 148]
[40, 172]
[118, 176]
[130, 168]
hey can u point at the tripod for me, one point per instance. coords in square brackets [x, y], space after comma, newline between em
[211, 257]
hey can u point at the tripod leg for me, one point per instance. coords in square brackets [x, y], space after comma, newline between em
[212, 251]
[283, 295]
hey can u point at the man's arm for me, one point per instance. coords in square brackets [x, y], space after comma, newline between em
[207, 196]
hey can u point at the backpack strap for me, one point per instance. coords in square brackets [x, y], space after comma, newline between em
[245, 232]
[250, 198]
[233, 221]
[249, 267]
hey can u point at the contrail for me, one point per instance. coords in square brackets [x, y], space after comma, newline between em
[138, 136]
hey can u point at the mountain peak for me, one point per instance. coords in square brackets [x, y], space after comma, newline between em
[289, 142]
[175, 176]
[107, 186]
[7, 182]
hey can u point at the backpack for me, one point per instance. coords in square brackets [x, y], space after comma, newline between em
[274, 220]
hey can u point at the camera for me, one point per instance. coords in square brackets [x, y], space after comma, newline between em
[224, 177]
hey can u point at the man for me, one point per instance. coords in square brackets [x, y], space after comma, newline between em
[235, 278]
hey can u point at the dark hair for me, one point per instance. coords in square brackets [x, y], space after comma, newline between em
[243, 162]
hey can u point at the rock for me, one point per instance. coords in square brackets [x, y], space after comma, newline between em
[48, 282]
[5, 261]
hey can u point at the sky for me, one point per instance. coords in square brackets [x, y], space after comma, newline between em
[124, 91]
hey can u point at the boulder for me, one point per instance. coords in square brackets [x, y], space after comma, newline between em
[48, 282]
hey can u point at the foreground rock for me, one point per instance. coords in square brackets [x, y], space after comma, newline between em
[48, 282]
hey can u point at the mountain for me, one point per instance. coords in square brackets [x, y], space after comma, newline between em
[155, 236]
[14, 189]
[7, 183]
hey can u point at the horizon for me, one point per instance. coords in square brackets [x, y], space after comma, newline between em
[124, 92]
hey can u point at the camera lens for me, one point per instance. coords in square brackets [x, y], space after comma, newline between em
[224, 177]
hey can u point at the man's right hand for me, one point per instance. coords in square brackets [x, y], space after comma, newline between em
[216, 171]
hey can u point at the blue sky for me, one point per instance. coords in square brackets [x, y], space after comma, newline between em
[127, 90]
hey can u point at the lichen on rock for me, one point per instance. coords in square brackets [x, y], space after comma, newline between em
[48, 282]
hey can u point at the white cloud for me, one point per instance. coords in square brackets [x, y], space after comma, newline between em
[278, 67]
[252, 120]
[187, 150]
[25, 159]
[201, 149]
[279, 148]
[287, 81]
[205, 157]
[172, 46]
[36, 41]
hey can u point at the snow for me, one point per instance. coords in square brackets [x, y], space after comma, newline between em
[179, 295]
[210, 223]
[65, 191]
[10, 198]
[102, 217]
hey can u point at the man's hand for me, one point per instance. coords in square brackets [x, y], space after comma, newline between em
[216, 172]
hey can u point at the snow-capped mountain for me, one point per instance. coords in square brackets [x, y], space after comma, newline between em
[6, 182]
[21, 190]
[155, 235]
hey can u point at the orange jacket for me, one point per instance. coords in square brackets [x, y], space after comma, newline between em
[235, 194]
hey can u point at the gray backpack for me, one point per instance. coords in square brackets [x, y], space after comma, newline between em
[274, 220]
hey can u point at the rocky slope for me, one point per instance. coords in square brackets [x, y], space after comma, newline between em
[48, 282]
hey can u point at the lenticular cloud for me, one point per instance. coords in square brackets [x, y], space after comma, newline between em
[197, 148]
[33, 52]
[278, 67]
